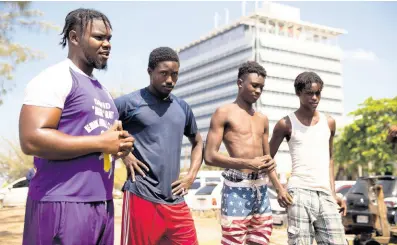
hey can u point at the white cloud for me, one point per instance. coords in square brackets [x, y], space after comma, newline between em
[360, 54]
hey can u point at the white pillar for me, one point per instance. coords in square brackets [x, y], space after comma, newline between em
[243, 7]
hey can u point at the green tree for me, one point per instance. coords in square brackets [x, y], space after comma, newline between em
[363, 142]
[15, 16]
[121, 90]
[14, 164]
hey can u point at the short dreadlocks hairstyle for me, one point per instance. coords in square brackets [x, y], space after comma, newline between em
[162, 54]
[81, 18]
[251, 67]
[304, 81]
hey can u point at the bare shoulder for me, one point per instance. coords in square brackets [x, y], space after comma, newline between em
[330, 120]
[284, 123]
[222, 112]
[283, 126]
[331, 124]
[224, 109]
[261, 116]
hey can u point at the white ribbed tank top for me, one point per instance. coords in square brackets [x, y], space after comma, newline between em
[309, 149]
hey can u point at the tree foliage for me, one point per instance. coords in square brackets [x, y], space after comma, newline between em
[14, 164]
[15, 16]
[363, 142]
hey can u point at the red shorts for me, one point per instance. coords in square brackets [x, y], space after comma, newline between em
[148, 223]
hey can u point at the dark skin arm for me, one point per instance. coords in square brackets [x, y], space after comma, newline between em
[181, 186]
[39, 137]
[392, 137]
[279, 132]
[392, 134]
[341, 203]
[134, 165]
[212, 157]
[266, 152]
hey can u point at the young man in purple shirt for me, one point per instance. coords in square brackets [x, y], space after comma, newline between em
[68, 121]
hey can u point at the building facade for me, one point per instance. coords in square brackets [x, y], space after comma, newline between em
[276, 38]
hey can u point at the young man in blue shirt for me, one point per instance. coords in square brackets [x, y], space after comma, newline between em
[154, 210]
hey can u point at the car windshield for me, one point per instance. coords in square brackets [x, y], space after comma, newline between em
[195, 185]
[388, 187]
[361, 187]
[20, 184]
[344, 190]
[206, 190]
[213, 179]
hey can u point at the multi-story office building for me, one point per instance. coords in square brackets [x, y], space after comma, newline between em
[278, 39]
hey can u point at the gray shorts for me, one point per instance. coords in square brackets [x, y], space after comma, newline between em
[314, 214]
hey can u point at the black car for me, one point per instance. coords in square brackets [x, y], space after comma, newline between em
[358, 218]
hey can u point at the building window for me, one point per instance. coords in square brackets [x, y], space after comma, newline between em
[214, 42]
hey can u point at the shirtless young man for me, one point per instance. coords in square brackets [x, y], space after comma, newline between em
[246, 212]
[310, 133]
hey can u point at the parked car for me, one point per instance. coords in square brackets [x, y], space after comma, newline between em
[279, 213]
[208, 197]
[189, 197]
[14, 194]
[209, 176]
[203, 177]
[343, 186]
[359, 218]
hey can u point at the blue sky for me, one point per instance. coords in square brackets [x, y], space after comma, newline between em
[138, 27]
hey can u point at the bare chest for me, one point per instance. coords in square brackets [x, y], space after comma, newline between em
[245, 127]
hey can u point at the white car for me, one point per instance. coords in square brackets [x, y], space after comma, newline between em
[201, 180]
[279, 214]
[343, 186]
[208, 197]
[189, 197]
[14, 194]
[209, 176]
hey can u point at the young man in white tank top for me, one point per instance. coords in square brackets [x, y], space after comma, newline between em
[315, 212]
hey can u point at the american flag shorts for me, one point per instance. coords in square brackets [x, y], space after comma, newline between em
[246, 215]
